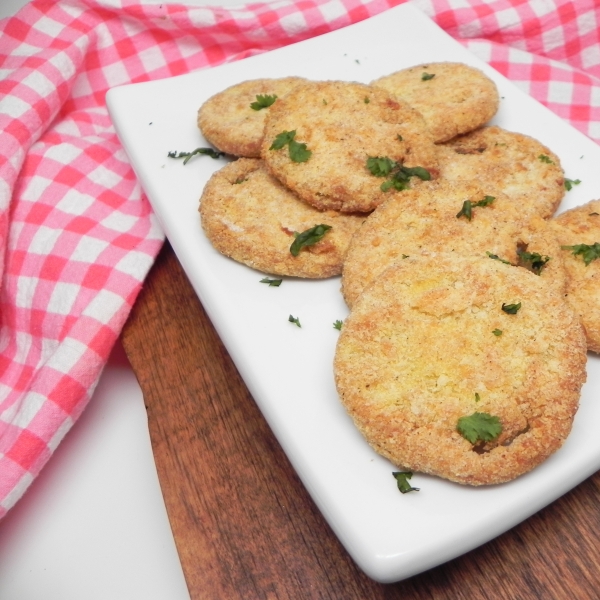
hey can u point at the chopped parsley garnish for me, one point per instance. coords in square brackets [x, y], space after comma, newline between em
[468, 206]
[477, 397]
[263, 101]
[294, 320]
[587, 252]
[511, 309]
[546, 159]
[271, 282]
[338, 324]
[534, 260]
[402, 478]
[398, 175]
[569, 183]
[497, 332]
[367, 99]
[479, 427]
[496, 257]
[187, 155]
[298, 152]
[427, 76]
[308, 238]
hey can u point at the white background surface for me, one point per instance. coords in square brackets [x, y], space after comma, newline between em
[93, 525]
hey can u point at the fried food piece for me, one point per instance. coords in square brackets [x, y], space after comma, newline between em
[576, 229]
[519, 165]
[454, 98]
[229, 123]
[427, 219]
[249, 216]
[429, 343]
[342, 124]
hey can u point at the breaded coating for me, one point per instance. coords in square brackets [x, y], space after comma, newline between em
[429, 343]
[576, 227]
[249, 216]
[454, 98]
[426, 220]
[229, 123]
[343, 124]
[519, 165]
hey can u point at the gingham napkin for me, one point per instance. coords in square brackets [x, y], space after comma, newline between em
[77, 234]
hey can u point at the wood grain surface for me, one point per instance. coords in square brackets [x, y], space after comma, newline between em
[244, 525]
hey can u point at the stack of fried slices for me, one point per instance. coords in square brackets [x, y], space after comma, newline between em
[471, 303]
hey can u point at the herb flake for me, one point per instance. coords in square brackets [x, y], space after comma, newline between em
[308, 238]
[402, 478]
[511, 309]
[187, 155]
[478, 427]
[294, 320]
[271, 282]
[298, 152]
[587, 252]
[263, 101]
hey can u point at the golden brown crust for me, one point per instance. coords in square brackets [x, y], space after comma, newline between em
[419, 344]
[581, 225]
[343, 124]
[454, 98]
[229, 123]
[516, 164]
[425, 219]
[249, 216]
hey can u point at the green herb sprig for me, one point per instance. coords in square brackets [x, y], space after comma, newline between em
[298, 152]
[402, 478]
[308, 238]
[187, 155]
[468, 206]
[479, 426]
[263, 101]
[398, 175]
[588, 252]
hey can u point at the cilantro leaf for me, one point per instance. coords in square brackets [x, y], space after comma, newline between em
[535, 261]
[398, 175]
[271, 282]
[294, 320]
[282, 139]
[427, 76]
[308, 238]
[587, 252]
[402, 478]
[338, 325]
[263, 101]
[497, 332]
[298, 152]
[380, 166]
[467, 207]
[569, 183]
[546, 159]
[187, 155]
[511, 309]
[479, 427]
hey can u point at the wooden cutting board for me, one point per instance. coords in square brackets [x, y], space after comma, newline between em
[244, 525]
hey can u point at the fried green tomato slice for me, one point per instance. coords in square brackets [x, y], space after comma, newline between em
[439, 341]
[454, 98]
[250, 217]
[233, 120]
[319, 139]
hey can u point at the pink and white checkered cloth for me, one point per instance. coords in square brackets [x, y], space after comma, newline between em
[77, 235]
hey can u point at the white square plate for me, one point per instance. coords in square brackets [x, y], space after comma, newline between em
[289, 369]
